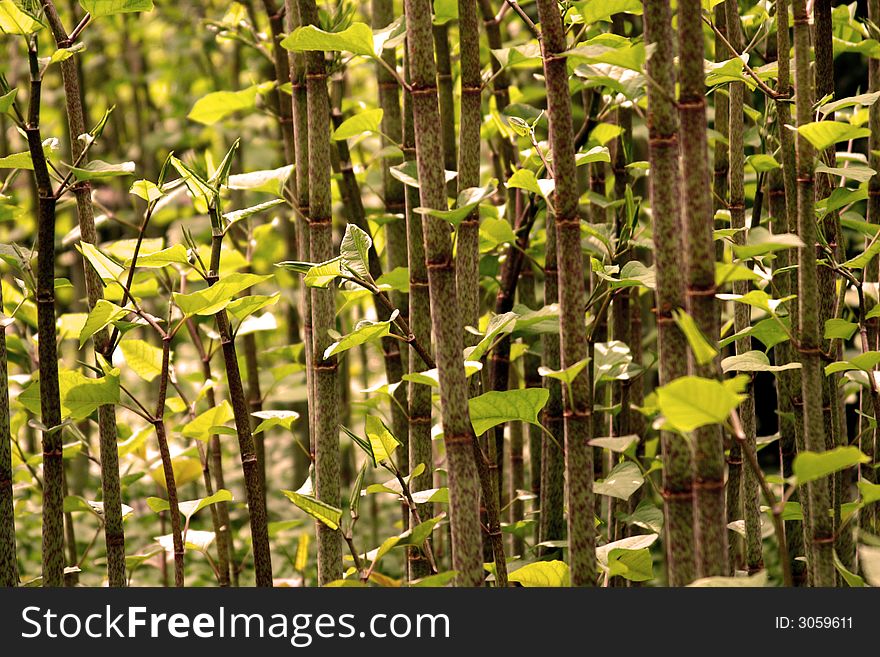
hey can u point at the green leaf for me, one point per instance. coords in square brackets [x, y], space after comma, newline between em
[593, 11]
[366, 121]
[851, 579]
[189, 508]
[381, 441]
[762, 162]
[754, 361]
[173, 255]
[854, 171]
[823, 134]
[861, 261]
[526, 179]
[270, 419]
[354, 251]
[100, 316]
[703, 351]
[841, 329]
[623, 480]
[271, 181]
[408, 174]
[615, 443]
[432, 377]
[613, 361]
[613, 557]
[566, 375]
[497, 407]
[100, 170]
[434, 581]
[759, 579]
[320, 511]
[542, 574]
[216, 106]
[17, 161]
[865, 362]
[761, 241]
[633, 565]
[365, 331]
[356, 39]
[108, 270]
[810, 466]
[98, 8]
[870, 492]
[467, 201]
[246, 306]
[13, 20]
[233, 218]
[80, 395]
[143, 358]
[6, 101]
[324, 274]
[862, 100]
[215, 298]
[691, 402]
[210, 422]
[146, 190]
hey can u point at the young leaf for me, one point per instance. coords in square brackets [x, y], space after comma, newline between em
[365, 331]
[468, 199]
[233, 218]
[100, 170]
[366, 121]
[691, 402]
[623, 480]
[143, 358]
[497, 407]
[754, 361]
[356, 39]
[703, 351]
[810, 466]
[13, 20]
[108, 270]
[382, 442]
[271, 181]
[320, 511]
[841, 329]
[270, 419]
[542, 574]
[210, 422]
[215, 298]
[354, 251]
[100, 316]
[823, 134]
[98, 8]
[216, 106]
[324, 274]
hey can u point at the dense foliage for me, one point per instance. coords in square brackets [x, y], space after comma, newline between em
[414, 293]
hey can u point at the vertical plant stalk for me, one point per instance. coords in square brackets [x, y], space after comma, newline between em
[114, 535]
[749, 507]
[214, 463]
[820, 545]
[394, 198]
[829, 228]
[467, 260]
[711, 520]
[50, 403]
[419, 396]
[324, 370]
[572, 301]
[445, 94]
[256, 499]
[531, 363]
[167, 465]
[552, 500]
[869, 445]
[464, 487]
[8, 563]
[782, 198]
[299, 101]
[678, 495]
